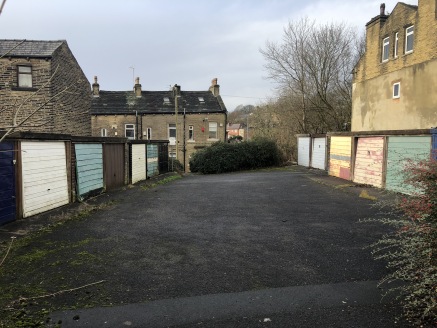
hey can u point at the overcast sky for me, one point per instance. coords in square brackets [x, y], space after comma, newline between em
[185, 42]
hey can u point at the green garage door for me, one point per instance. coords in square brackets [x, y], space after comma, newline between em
[401, 150]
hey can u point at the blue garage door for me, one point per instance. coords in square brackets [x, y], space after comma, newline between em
[7, 186]
[89, 168]
[152, 160]
[434, 144]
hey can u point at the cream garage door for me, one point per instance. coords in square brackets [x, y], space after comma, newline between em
[138, 163]
[44, 172]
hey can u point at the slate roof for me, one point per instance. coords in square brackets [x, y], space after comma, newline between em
[29, 48]
[152, 102]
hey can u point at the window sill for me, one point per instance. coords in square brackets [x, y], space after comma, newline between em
[23, 89]
[212, 139]
[191, 141]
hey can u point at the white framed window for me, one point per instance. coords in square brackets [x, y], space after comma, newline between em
[172, 153]
[166, 101]
[201, 100]
[172, 130]
[24, 76]
[129, 131]
[212, 132]
[385, 49]
[409, 39]
[149, 133]
[172, 134]
[396, 90]
[396, 47]
[191, 132]
[104, 132]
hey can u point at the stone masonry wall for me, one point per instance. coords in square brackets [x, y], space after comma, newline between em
[71, 109]
[425, 42]
[25, 101]
[66, 114]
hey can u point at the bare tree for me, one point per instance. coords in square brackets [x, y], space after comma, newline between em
[2, 5]
[313, 67]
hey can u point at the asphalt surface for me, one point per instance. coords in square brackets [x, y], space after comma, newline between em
[252, 249]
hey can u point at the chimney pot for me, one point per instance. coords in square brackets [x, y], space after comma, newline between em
[214, 88]
[96, 87]
[137, 87]
[382, 9]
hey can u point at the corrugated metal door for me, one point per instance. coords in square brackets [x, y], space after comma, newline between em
[7, 184]
[44, 174]
[400, 150]
[303, 151]
[113, 165]
[340, 157]
[369, 161]
[89, 169]
[318, 154]
[152, 160]
[138, 163]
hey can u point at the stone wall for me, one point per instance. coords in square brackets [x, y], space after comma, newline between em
[54, 112]
[374, 106]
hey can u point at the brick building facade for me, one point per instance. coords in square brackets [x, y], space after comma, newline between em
[394, 81]
[44, 78]
[190, 120]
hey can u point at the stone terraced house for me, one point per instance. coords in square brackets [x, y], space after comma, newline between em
[190, 120]
[44, 83]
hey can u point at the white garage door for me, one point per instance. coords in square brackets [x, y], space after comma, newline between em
[318, 155]
[303, 151]
[44, 171]
[138, 163]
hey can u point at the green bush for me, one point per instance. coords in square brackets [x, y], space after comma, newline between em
[411, 249]
[228, 157]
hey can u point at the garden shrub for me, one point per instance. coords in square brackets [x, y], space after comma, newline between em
[411, 249]
[228, 157]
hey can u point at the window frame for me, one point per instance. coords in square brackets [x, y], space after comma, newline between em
[171, 127]
[103, 132]
[149, 133]
[21, 75]
[191, 133]
[130, 128]
[398, 94]
[407, 35]
[396, 46]
[385, 49]
[215, 136]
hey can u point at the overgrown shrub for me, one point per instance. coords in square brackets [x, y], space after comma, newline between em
[228, 157]
[175, 165]
[411, 249]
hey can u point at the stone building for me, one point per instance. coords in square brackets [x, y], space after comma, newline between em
[190, 120]
[394, 81]
[42, 81]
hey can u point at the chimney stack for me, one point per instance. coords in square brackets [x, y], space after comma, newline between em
[214, 88]
[382, 9]
[137, 87]
[96, 87]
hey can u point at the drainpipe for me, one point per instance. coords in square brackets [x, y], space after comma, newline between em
[136, 123]
[185, 150]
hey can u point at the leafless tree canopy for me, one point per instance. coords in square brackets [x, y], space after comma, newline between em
[312, 67]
